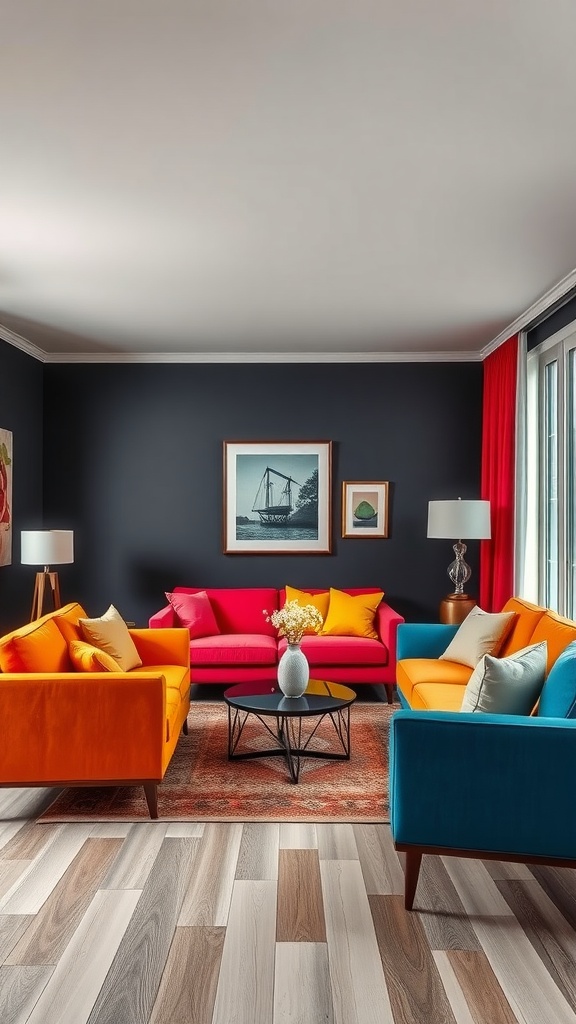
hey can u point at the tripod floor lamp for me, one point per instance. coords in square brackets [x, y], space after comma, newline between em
[46, 547]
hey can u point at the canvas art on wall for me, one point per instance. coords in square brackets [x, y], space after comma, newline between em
[5, 497]
[365, 508]
[277, 497]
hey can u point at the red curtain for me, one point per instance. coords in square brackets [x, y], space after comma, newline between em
[498, 474]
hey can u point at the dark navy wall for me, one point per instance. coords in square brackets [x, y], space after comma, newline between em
[21, 382]
[552, 322]
[133, 462]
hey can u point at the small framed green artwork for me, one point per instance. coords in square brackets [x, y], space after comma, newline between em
[365, 508]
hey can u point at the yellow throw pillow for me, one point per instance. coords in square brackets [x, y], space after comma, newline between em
[87, 658]
[319, 601]
[352, 616]
[110, 633]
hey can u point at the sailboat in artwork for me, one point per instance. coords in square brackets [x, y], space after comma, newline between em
[274, 510]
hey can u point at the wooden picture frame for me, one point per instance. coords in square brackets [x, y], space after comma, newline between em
[277, 497]
[360, 498]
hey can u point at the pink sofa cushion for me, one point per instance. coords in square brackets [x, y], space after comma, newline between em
[240, 610]
[341, 650]
[234, 649]
[194, 611]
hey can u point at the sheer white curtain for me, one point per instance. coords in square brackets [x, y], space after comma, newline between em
[545, 491]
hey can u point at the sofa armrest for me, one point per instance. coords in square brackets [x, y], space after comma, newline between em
[423, 639]
[499, 783]
[163, 647]
[163, 619]
[82, 726]
[387, 622]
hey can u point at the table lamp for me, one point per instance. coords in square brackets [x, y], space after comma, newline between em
[448, 520]
[46, 547]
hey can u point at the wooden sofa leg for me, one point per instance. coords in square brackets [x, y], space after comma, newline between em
[151, 793]
[185, 727]
[411, 872]
[390, 692]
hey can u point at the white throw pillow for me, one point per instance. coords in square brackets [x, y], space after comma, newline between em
[110, 633]
[507, 686]
[481, 633]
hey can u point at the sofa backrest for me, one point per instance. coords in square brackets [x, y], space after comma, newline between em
[240, 609]
[41, 645]
[527, 618]
[558, 633]
[534, 624]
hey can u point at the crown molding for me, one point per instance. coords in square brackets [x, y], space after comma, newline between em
[23, 344]
[261, 357]
[550, 297]
[233, 357]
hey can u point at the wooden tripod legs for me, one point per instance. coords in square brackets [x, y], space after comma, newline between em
[43, 579]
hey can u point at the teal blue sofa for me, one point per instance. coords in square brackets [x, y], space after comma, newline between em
[482, 785]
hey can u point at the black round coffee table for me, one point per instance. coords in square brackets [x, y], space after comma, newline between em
[265, 701]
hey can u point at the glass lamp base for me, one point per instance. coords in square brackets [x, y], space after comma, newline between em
[459, 571]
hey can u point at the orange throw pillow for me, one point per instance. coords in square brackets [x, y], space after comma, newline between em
[43, 649]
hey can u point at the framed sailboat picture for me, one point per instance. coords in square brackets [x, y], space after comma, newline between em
[277, 497]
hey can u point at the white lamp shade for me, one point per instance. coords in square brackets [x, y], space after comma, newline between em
[459, 520]
[47, 547]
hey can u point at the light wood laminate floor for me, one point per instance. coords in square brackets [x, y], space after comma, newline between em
[270, 924]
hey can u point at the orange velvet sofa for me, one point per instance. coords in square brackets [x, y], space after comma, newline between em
[427, 684]
[63, 727]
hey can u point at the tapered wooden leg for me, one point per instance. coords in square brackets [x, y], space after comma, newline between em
[55, 588]
[390, 692]
[151, 793]
[411, 872]
[185, 727]
[38, 596]
[44, 579]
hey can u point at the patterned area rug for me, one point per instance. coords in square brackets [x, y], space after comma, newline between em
[202, 785]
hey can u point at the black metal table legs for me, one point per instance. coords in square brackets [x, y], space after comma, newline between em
[289, 734]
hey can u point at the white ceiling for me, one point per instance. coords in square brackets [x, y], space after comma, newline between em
[292, 176]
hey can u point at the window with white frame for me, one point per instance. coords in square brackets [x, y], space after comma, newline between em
[550, 549]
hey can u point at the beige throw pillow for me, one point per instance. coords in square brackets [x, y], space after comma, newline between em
[507, 686]
[110, 633]
[481, 633]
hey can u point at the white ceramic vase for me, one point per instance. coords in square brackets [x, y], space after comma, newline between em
[293, 671]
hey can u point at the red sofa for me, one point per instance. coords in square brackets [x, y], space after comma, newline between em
[247, 647]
